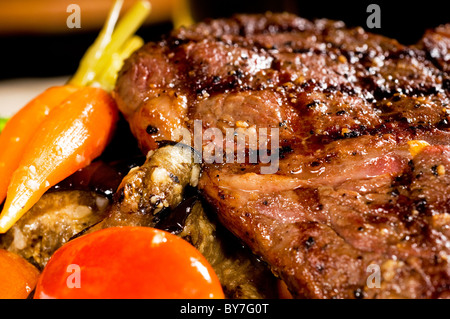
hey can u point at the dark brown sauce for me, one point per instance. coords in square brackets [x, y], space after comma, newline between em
[174, 220]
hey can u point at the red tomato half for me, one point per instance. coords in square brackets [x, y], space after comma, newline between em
[128, 262]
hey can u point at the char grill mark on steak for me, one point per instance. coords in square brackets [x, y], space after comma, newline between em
[342, 63]
[348, 193]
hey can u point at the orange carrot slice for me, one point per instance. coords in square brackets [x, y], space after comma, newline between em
[73, 134]
[22, 126]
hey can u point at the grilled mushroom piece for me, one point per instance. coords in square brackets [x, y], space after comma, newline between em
[157, 184]
[52, 222]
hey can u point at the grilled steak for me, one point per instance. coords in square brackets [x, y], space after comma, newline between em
[360, 204]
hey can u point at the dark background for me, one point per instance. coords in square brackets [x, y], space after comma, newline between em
[58, 54]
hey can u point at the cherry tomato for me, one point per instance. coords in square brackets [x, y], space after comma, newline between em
[17, 276]
[128, 262]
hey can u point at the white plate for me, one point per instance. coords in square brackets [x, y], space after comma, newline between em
[15, 93]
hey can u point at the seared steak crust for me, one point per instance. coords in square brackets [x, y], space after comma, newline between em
[350, 199]
[437, 45]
